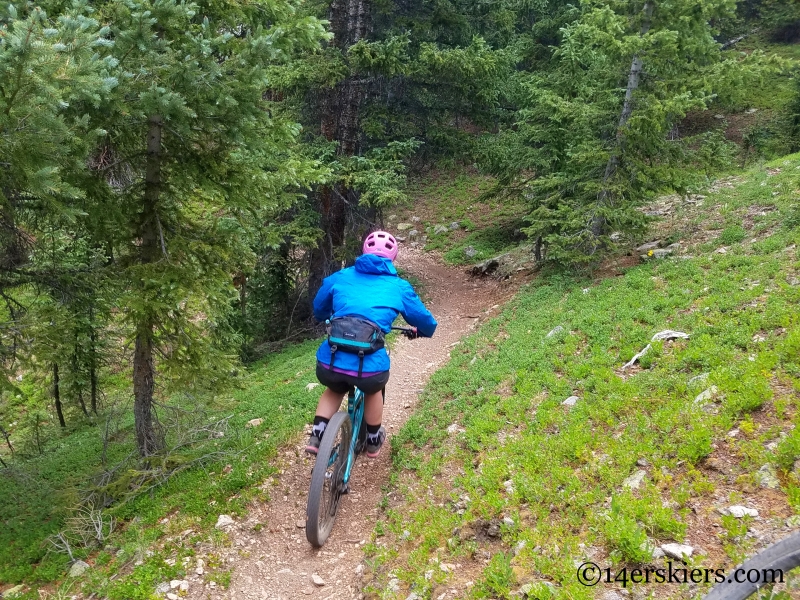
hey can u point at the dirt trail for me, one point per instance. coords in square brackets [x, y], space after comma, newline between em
[277, 562]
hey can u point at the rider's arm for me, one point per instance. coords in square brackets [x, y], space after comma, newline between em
[415, 313]
[323, 301]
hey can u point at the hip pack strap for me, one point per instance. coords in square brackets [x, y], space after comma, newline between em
[334, 348]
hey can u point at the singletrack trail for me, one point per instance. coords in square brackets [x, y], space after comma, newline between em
[276, 562]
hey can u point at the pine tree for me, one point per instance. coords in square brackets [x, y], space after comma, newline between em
[192, 162]
[594, 136]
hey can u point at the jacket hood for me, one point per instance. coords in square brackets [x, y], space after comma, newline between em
[375, 265]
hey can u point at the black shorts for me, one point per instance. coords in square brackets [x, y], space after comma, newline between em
[341, 383]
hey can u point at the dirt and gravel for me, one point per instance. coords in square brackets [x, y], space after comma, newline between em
[269, 556]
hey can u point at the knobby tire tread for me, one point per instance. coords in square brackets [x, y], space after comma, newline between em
[785, 555]
[316, 534]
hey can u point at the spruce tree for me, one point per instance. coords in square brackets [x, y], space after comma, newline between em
[193, 161]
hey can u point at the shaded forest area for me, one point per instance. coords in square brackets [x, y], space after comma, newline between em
[176, 179]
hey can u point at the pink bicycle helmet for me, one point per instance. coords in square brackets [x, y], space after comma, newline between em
[381, 243]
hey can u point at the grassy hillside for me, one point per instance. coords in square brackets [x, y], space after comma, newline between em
[485, 227]
[500, 489]
[228, 462]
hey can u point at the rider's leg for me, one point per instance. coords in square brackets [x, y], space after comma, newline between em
[373, 413]
[329, 403]
[373, 410]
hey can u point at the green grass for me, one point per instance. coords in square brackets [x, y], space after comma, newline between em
[37, 494]
[487, 227]
[778, 89]
[558, 472]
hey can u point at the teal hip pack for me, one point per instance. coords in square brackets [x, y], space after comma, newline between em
[354, 335]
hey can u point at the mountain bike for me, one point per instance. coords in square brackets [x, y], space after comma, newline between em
[344, 438]
[760, 570]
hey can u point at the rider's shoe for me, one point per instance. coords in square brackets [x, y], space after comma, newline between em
[374, 446]
[313, 444]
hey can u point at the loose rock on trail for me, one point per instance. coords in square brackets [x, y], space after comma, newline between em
[277, 562]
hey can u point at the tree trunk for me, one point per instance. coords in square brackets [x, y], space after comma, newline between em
[75, 373]
[92, 367]
[537, 250]
[148, 439]
[57, 396]
[634, 76]
[6, 435]
[341, 122]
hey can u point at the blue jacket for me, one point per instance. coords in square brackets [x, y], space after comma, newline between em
[372, 290]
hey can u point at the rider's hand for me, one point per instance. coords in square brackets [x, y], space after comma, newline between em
[411, 333]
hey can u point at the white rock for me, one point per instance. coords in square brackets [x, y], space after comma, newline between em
[224, 521]
[311, 386]
[359, 569]
[172, 596]
[767, 478]
[610, 595]
[508, 521]
[439, 229]
[404, 226]
[669, 334]
[14, 592]
[162, 588]
[300, 524]
[78, 568]
[699, 378]
[555, 331]
[677, 551]
[571, 401]
[184, 587]
[317, 580]
[174, 583]
[413, 596]
[658, 553]
[454, 225]
[739, 511]
[254, 422]
[454, 428]
[634, 481]
[706, 395]
[649, 246]
[394, 585]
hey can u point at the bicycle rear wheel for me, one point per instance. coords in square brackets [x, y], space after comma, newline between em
[327, 479]
[783, 556]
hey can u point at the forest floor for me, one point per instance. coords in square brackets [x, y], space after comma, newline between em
[268, 551]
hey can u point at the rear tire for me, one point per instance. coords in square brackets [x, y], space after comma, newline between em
[327, 479]
[783, 556]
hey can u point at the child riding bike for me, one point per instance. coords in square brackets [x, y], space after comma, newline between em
[359, 304]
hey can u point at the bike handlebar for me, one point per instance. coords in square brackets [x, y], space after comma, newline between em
[409, 332]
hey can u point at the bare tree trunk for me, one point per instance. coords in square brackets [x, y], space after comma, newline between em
[148, 439]
[6, 435]
[93, 367]
[57, 396]
[537, 250]
[605, 197]
[75, 372]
